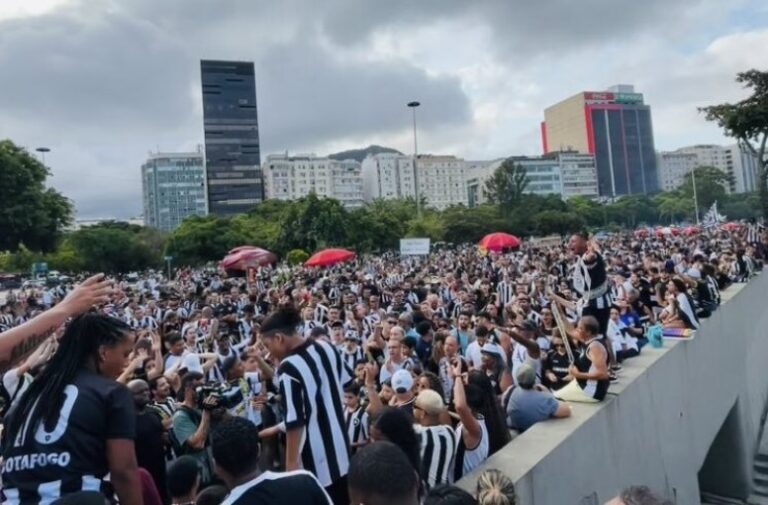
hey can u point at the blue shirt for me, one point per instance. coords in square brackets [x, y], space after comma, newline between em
[527, 407]
[423, 350]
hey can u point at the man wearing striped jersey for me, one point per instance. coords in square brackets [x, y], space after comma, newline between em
[438, 441]
[311, 377]
[355, 417]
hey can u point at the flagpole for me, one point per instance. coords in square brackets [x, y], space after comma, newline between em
[695, 197]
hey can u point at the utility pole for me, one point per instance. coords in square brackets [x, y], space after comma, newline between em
[416, 188]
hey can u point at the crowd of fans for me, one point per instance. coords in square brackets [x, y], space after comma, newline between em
[382, 380]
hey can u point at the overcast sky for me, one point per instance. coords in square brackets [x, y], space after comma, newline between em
[102, 82]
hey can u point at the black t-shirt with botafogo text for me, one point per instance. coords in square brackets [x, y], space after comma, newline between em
[44, 463]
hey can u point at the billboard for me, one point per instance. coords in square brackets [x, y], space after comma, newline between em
[629, 98]
[414, 246]
[599, 96]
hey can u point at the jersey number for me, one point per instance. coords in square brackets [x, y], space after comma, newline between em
[49, 437]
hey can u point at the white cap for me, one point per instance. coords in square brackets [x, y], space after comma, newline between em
[191, 362]
[402, 381]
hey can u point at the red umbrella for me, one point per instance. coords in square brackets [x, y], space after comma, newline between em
[241, 248]
[732, 226]
[499, 241]
[690, 230]
[328, 257]
[641, 232]
[246, 257]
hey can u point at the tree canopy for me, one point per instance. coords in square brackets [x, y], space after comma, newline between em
[506, 185]
[747, 122]
[30, 214]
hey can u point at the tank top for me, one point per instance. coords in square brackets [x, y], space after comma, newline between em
[469, 459]
[596, 389]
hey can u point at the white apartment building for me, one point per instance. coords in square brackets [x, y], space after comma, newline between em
[442, 179]
[741, 165]
[173, 188]
[293, 177]
[673, 167]
[567, 174]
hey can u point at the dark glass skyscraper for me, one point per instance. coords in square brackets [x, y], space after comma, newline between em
[615, 126]
[234, 176]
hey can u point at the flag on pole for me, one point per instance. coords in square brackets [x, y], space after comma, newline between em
[712, 218]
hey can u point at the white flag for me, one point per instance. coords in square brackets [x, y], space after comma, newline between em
[712, 218]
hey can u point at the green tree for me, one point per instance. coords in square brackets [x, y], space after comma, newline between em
[296, 256]
[30, 213]
[199, 240]
[430, 225]
[462, 225]
[313, 223]
[550, 222]
[711, 185]
[109, 248]
[673, 206]
[590, 211]
[747, 122]
[631, 210]
[740, 206]
[506, 186]
[380, 224]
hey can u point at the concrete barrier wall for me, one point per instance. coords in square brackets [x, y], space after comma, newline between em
[659, 422]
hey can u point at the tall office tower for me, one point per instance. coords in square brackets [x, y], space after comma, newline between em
[613, 125]
[173, 188]
[235, 181]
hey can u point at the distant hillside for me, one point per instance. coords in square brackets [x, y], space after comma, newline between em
[360, 154]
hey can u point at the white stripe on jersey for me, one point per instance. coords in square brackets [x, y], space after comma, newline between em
[438, 450]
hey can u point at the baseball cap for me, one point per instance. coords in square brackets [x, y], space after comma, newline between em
[492, 348]
[525, 376]
[352, 335]
[191, 362]
[430, 402]
[402, 381]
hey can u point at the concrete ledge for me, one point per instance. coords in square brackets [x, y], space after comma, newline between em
[658, 423]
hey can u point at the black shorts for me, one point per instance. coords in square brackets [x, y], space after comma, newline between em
[602, 316]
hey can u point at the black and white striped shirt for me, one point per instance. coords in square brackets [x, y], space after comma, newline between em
[534, 317]
[311, 379]
[351, 358]
[438, 451]
[145, 323]
[506, 292]
[754, 231]
[245, 329]
[357, 425]
[321, 313]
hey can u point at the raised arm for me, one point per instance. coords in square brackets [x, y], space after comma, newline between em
[371, 372]
[19, 341]
[472, 430]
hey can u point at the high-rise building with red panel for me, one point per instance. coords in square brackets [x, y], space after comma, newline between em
[614, 126]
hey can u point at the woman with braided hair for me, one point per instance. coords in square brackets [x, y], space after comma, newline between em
[75, 424]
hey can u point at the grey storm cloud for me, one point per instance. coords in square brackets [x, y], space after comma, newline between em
[104, 82]
[105, 86]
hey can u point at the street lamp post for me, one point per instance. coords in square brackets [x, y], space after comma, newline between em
[42, 151]
[416, 188]
[695, 196]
